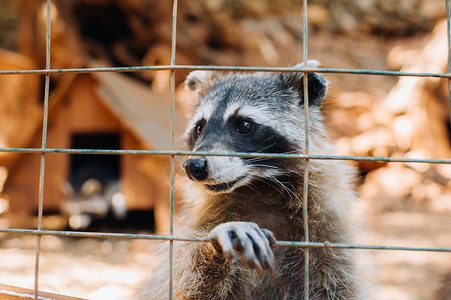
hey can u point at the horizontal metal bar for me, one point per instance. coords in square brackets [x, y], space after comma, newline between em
[353, 246]
[105, 235]
[239, 154]
[193, 239]
[226, 68]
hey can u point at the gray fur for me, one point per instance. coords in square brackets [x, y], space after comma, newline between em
[261, 198]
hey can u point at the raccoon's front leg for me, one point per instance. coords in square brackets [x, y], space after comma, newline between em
[253, 243]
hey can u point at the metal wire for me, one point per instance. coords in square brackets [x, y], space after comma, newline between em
[227, 68]
[44, 144]
[128, 236]
[171, 229]
[306, 244]
[307, 152]
[238, 154]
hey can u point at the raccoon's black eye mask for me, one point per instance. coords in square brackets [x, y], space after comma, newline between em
[242, 126]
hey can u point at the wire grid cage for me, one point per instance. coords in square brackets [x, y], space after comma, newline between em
[39, 232]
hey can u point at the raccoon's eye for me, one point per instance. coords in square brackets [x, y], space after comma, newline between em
[198, 129]
[244, 127]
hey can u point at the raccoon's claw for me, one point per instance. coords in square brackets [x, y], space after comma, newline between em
[253, 243]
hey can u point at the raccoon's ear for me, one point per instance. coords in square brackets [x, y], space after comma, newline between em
[200, 81]
[317, 84]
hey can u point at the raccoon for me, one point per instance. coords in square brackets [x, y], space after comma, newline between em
[244, 203]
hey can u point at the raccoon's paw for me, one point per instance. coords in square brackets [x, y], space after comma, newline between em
[253, 243]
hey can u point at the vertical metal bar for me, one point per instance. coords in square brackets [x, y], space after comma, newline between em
[448, 19]
[173, 51]
[307, 161]
[44, 144]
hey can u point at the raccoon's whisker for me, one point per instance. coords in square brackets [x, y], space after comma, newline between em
[179, 174]
[277, 182]
[251, 186]
[263, 149]
[284, 186]
[271, 145]
[263, 165]
[179, 171]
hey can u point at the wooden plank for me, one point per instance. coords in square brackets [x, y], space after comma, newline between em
[143, 112]
[137, 181]
[20, 110]
[15, 293]
[86, 112]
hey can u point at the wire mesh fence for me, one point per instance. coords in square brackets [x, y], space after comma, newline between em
[43, 151]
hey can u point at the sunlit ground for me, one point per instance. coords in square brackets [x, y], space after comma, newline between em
[91, 268]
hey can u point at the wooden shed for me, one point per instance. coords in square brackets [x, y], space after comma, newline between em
[86, 111]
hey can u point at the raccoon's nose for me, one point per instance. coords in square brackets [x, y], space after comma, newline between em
[196, 168]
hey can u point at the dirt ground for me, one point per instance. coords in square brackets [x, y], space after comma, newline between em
[88, 268]
[113, 269]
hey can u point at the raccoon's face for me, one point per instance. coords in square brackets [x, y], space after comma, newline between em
[250, 113]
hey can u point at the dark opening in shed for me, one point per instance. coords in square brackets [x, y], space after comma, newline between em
[104, 168]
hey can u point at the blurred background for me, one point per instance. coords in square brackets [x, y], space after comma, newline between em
[400, 204]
